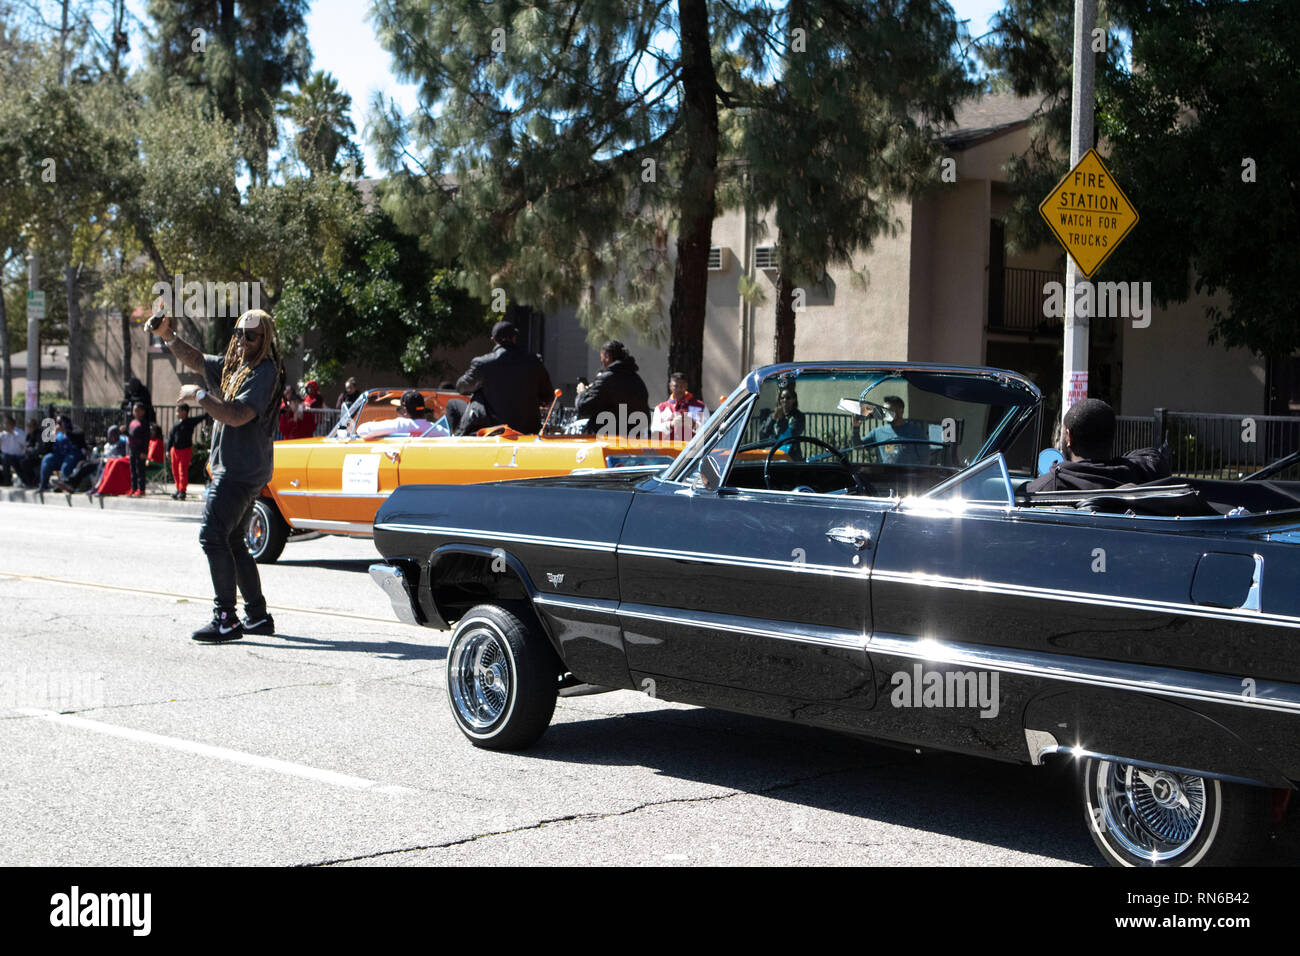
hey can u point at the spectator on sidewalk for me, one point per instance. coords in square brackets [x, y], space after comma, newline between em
[13, 449]
[349, 394]
[682, 415]
[155, 454]
[313, 398]
[135, 393]
[295, 420]
[137, 443]
[65, 454]
[180, 442]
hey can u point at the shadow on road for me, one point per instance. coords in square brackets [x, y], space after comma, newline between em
[361, 565]
[389, 650]
[1027, 809]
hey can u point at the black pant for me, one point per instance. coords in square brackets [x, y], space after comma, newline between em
[225, 518]
[137, 471]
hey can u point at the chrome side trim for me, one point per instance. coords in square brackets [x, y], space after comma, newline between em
[354, 527]
[573, 543]
[1079, 753]
[592, 605]
[801, 633]
[1082, 597]
[1142, 678]
[334, 494]
[761, 564]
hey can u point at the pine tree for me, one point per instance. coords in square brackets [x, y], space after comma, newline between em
[242, 53]
[848, 124]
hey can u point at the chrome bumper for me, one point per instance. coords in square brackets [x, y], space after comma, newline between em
[393, 583]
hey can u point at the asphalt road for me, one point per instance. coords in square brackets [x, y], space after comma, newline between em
[331, 743]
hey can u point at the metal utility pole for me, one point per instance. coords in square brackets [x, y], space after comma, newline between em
[1074, 367]
[33, 338]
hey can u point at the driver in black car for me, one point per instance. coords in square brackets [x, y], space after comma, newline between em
[900, 442]
[1088, 436]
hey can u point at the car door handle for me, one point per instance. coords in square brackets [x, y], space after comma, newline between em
[393, 456]
[859, 539]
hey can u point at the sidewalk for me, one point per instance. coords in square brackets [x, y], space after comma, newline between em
[154, 502]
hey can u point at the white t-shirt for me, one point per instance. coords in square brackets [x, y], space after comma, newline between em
[401, 425]
[14, 442]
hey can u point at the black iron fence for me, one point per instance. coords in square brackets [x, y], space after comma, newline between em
[95, 420]
[1212, 445]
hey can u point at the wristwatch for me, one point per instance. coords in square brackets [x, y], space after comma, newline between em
[200, 394]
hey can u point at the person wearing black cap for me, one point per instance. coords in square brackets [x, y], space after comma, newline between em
[507, 386]
[411, 421]
[1088, 436]
[618, 395]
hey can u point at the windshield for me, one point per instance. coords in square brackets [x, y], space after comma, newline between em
[873, 431]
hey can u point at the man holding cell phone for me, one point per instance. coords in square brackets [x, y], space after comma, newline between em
[242, 395]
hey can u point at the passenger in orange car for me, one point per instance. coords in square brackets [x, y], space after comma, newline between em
[410, 422]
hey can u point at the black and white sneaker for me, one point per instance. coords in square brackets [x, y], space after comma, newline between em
[265, 624]
[224, 626]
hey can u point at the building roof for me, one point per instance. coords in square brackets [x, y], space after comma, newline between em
[988, 116]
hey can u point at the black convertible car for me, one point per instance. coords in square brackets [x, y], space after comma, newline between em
[850, 545]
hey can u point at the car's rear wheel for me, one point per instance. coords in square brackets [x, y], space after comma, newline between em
[1139, 816]
[502, 677]
[266, 532]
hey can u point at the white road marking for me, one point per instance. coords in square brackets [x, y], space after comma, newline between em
[219, 753]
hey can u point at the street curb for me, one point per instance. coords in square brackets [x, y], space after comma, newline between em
[150, 504]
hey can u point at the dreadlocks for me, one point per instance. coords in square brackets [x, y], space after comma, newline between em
[235, 373]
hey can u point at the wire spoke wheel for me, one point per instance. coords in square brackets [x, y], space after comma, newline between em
[481, 678]
[1155, 814]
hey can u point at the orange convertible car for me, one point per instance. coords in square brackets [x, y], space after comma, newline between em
[335, 484]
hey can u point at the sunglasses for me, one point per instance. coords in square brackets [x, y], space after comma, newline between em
[248, 336]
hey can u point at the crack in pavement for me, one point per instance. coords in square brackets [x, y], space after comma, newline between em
[595, 816]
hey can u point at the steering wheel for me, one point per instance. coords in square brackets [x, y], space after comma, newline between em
[859, 483]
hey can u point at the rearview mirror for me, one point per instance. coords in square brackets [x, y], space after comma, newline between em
[865, 409]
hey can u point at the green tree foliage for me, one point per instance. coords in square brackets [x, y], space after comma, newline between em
[321, 113]
[241, 53]
[1211, 85]
[560, 146]
[384, 298]
[849, 122]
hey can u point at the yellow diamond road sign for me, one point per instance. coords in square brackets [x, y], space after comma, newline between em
[1089, 213]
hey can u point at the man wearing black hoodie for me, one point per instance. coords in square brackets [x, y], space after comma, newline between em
[617, 392]
[1089, 435]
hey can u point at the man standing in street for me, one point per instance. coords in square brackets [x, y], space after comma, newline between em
[242, 394]
[507, 386]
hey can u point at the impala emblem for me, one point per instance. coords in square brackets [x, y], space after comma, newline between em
[556, 579]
